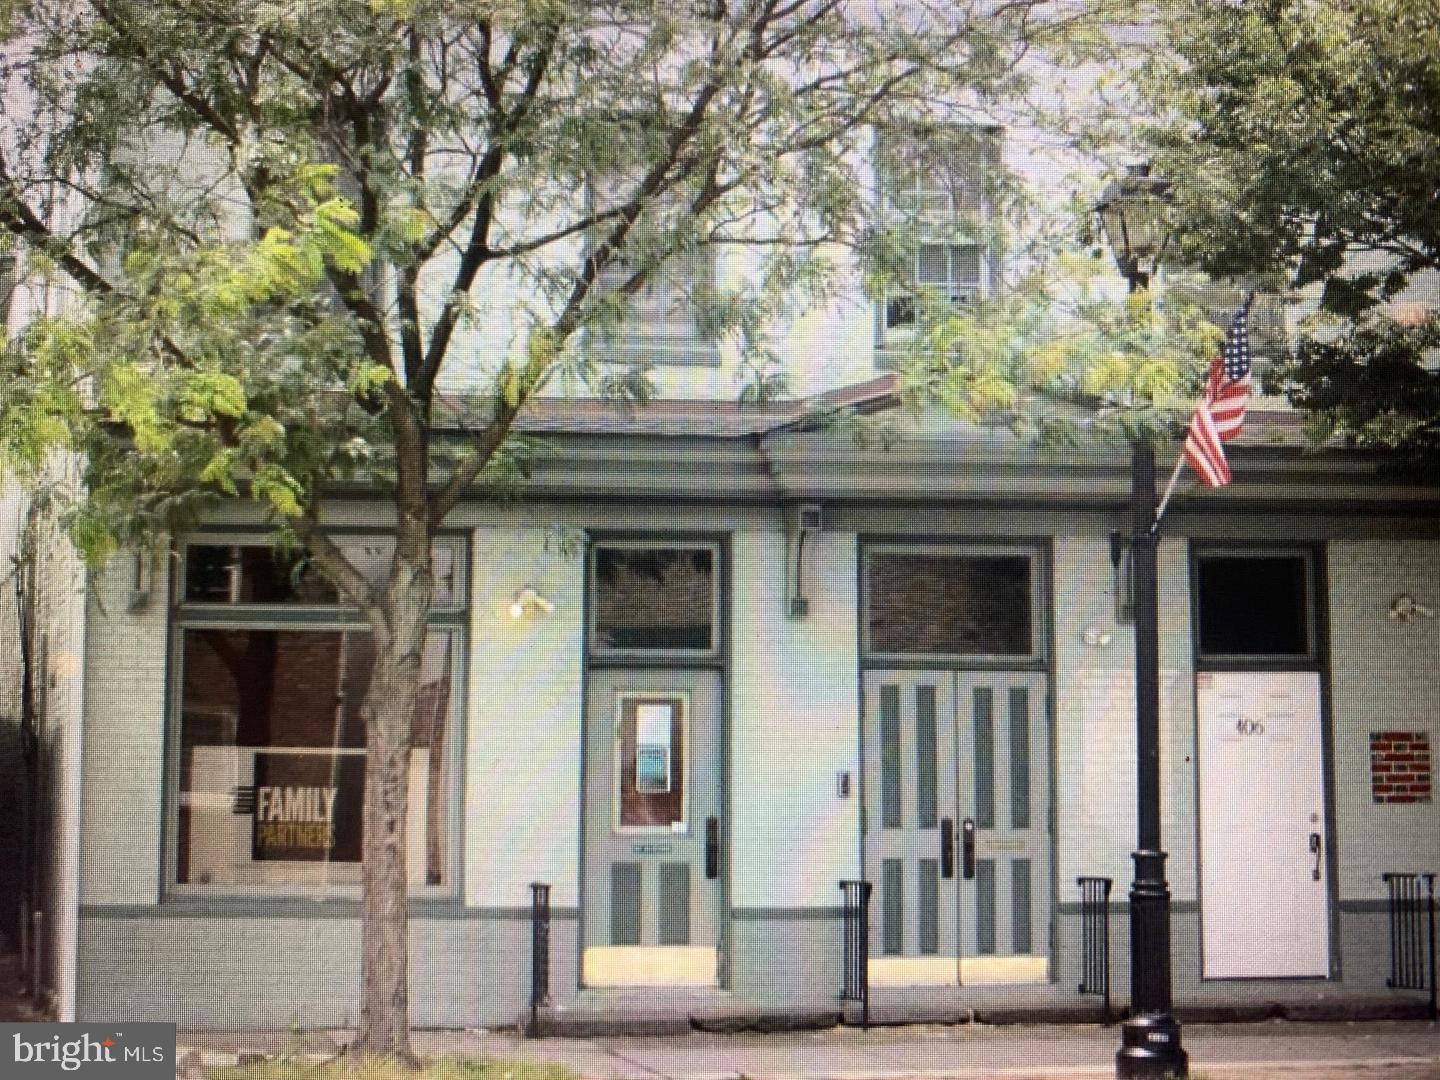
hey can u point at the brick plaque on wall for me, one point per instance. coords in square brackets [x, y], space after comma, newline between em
[1400, 766]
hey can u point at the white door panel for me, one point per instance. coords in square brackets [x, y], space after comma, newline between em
[1263, 895]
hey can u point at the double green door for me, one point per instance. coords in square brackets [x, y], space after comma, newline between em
[957, 827]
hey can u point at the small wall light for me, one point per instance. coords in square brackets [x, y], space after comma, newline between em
[1405, 607]
[1093, 635]
[528, 601]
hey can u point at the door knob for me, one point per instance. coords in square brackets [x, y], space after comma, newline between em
[947, 847]
[967, 848]
[1316, 850]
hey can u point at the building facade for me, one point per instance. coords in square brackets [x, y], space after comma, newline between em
[699, 676]
[715, 660]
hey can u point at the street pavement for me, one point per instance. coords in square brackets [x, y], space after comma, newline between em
[1375, 1050]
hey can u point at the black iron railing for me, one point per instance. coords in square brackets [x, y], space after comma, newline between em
[1095, 940]
[539, 950]
[1412, 933]
[857, 946]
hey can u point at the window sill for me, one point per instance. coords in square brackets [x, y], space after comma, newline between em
[232, 906]
[657, 353]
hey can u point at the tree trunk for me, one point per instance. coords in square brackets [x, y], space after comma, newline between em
[388, 711]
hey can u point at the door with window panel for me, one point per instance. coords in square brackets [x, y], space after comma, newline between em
[653, 800]
[957, 839]
[652, 836]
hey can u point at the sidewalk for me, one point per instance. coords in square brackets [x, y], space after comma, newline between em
[1383, 1050]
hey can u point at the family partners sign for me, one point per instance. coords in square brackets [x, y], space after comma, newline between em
[87, 1051]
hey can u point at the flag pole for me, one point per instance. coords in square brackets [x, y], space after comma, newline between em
[1169, 490]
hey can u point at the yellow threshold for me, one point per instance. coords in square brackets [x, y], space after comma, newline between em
[649, 965]
[972, 970]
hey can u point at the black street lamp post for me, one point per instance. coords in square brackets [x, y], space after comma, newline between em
[1132, 212]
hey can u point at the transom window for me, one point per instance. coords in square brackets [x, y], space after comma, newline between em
[654, 599]
[269, 748]
[946, 603]
[1254, 606]
[245, 572]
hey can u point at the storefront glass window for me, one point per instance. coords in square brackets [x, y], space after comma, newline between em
[272, 758]
[269, 746]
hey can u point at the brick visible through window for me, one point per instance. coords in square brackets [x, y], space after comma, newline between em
[1400, 766]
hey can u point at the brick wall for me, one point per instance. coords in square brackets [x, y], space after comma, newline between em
[1400, 766]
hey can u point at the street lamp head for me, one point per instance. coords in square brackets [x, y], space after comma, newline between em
[1134, 214]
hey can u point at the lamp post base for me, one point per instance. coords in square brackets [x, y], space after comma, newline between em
[1150, 1047]
[1150, 1040]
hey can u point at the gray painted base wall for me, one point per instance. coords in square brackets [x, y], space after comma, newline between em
[1364, 959]
[235, 972]
[795, 960]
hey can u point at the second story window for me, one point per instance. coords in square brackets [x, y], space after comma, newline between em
[653, 293]
[661, 321]
[934, 194]
[8, 281]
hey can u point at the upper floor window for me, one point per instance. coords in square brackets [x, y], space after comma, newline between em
[980, 603]
[654, 599]
[655, 291]
[9, 279]
[934, 188]
[662, 320]
[1255, 606]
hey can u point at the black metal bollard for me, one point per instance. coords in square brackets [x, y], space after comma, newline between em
[539, 950]
[1095, 940]
[857, 946]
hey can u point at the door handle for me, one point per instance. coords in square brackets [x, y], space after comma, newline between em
[947, 847]
[1315, 849]
[712, 848]
[967, 848]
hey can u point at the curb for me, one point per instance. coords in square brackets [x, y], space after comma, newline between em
[582, 1024]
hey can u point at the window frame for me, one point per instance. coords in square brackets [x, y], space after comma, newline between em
[946, 229]
[617, 825]
[285, 610]
[1312, 659]
[333, 618]
[604, 653]
[1038, 656]
[632, 339]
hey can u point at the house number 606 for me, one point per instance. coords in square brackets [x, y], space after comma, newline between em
[1249, 727]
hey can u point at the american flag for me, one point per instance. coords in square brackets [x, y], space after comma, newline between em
[1221, 412]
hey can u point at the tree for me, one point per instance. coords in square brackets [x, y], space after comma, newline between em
[1303, 139]
[283, 218]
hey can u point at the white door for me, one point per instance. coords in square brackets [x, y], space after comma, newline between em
[1263, 896]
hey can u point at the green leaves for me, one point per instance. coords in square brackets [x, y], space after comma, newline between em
[1060, 354]
[1303, 137]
